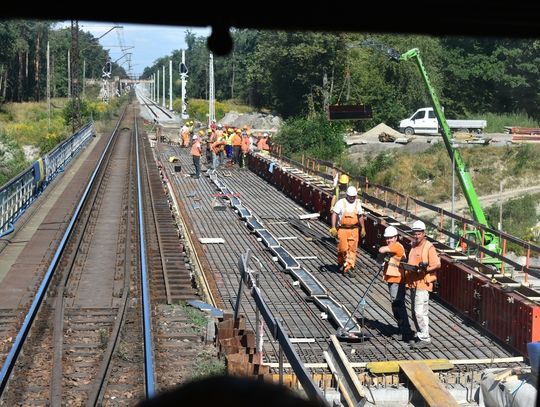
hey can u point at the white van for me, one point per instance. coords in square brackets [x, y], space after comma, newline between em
[424, 121]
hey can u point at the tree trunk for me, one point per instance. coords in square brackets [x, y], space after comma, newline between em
[4, 89]
[37, 89]
[26, 89]
[20, 78]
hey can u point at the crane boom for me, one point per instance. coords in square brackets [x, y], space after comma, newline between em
[488, 239]
[461, 169]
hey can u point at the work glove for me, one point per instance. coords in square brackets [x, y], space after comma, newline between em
[333, 232]
[362, 232]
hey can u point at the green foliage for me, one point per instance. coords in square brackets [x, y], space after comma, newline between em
[315, 136]
[526, 157]
[12, 159]
[198, 109]
[377, 165]
[496, 122]
[519, 217]
[197, 318]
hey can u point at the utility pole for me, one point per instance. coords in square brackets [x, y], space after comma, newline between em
[83, 77]
[170, 85]
[211, 98]
[157, 91]
[500, 205]
[163, 99]
[75, 84]
[48, 86]
[183, 77]
[69, 74]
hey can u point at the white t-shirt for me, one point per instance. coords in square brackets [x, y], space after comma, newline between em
[343, 204]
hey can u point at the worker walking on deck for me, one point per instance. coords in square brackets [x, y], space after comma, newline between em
[340, 190]
[394, 275]
[423, 255]
[348, 226]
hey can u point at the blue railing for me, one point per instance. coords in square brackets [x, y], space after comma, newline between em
[17, 194]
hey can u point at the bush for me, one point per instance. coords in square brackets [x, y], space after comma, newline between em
[519, 217]
[316, 137]
[197, 109]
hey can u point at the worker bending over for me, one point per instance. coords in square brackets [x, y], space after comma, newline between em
[348, 217]
[394, 275]
[423, 255]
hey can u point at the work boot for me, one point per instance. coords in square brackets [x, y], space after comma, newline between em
[421, 344]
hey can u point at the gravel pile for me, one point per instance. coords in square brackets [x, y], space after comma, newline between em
[257, 121]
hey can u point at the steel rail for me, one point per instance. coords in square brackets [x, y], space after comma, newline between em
[145, 289]
[311, 389]
[16, 347]
[162, 256]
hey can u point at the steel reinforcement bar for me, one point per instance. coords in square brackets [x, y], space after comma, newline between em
[509, 313]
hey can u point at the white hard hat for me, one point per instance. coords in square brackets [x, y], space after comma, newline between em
[351, 191]
[418, 225]
[390, 231]
[194, 137]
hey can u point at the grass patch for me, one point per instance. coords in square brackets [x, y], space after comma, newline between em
[208, 364]
[497, 122]
[198, 319]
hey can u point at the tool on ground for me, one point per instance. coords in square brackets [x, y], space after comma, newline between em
[344, 332]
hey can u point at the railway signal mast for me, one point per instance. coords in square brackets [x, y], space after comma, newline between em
[183, 78]
[211, 97]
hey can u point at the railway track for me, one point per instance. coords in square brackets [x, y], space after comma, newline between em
[82, 344]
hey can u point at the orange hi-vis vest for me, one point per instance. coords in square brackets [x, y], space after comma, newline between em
[236, 140]
[196, 148]
[421, 280]
[394, 272]
[245, 144]
[349, 220]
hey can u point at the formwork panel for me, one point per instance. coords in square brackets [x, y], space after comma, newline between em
[296, 188]
[459, 288]
[316, 199]
[509, 317]
[307, 200]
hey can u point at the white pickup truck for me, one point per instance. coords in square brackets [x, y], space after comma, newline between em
[424, 121]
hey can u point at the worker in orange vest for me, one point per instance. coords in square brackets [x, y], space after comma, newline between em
[245, 147]
[424, 256]
[236, 143]
[394, 275]
[347, 226]
[185, 135]
[262, 144]
[196, 151]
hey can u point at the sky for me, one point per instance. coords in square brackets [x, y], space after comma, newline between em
[149, 42]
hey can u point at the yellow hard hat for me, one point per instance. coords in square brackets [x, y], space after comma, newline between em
[343, 179]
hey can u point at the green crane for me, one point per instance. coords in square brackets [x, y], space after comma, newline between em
[489, 240]
[486, 239]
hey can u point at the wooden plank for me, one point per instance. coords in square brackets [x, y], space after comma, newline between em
[428, 385]
[211, 240]
[309, 216]
[392, 366]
